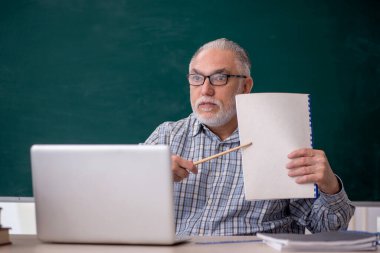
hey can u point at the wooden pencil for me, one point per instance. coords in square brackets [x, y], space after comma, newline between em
[222, 153]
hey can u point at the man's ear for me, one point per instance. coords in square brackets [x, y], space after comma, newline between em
[248, 85]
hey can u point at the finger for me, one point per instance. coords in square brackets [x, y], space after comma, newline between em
[187, 165]
[193, 169]
[308, 175]
[306, 179]
[176, 178]
[181, 173]
[308, 152]
[300, 162]
[181, 168]
[302, 171]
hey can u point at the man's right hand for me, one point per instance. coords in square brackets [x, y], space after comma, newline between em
[181, 168]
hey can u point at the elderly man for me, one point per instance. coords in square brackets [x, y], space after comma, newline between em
[209, 200]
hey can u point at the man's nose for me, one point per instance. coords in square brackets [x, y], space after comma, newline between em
[207, 88]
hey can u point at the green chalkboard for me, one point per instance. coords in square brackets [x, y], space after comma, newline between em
[95, 71]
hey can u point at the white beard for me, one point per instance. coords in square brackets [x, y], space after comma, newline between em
[224, 115]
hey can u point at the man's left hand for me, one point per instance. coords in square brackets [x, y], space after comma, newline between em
[311, 166]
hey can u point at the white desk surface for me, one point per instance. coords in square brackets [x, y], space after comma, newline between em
[30, 244]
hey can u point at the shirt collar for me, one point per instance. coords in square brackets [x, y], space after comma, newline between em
[199, 127]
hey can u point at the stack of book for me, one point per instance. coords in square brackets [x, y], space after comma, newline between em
[325, 241]
[4, 234]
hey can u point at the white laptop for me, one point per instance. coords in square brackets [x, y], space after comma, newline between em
[113, 194]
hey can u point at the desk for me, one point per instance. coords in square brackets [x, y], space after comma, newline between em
[29, 243]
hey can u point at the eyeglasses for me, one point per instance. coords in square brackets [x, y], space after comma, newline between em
[215, 79]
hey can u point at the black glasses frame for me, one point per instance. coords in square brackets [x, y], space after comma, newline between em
[205, 77]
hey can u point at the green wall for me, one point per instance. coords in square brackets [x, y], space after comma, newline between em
[111, 71]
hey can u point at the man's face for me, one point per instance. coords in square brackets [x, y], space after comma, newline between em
[215, 105]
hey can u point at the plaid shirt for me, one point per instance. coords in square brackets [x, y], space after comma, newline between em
[212, 202]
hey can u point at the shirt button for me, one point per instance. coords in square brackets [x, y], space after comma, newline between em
[209, 201]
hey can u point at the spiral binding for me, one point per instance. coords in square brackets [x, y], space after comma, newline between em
[316, 192]
[310, 121]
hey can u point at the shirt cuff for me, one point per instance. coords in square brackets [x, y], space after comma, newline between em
[337, 199]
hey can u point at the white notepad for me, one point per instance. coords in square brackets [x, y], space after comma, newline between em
[341, 241]
[276, 124]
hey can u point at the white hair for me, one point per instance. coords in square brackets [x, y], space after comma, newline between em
[225, 44]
